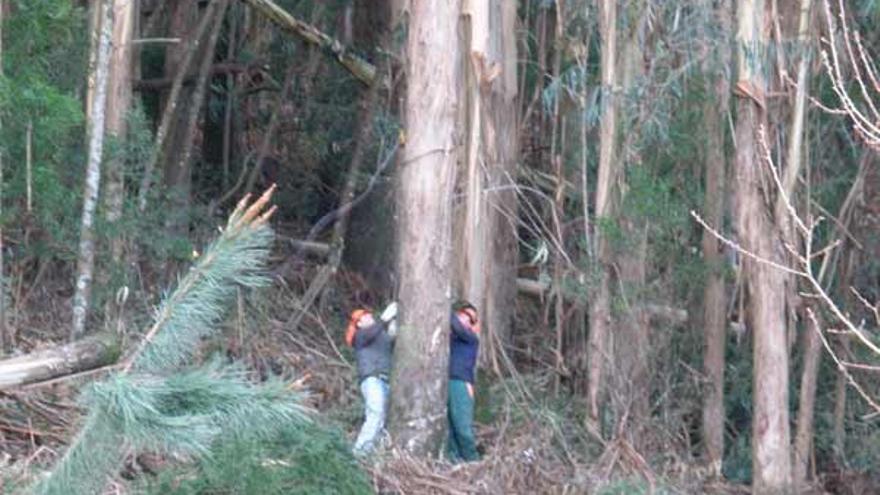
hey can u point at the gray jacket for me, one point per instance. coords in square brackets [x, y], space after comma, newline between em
[372, 349]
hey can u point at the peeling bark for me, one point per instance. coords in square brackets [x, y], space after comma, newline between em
[487, 271]
[502, 150]
[771, 446]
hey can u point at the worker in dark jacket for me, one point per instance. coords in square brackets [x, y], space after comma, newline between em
[373, 342]
[464, 345]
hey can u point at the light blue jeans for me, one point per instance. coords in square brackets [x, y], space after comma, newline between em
[375, 392]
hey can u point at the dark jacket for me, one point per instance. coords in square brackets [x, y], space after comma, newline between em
[464, 345]
[372, 349]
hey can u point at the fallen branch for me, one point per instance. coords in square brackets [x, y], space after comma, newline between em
[318, 249]
[54, 362]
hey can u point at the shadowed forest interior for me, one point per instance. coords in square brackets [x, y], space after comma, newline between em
[659, 221]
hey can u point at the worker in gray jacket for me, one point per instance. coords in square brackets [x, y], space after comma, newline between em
[373, 343]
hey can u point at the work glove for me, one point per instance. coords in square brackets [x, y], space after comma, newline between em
[390, 312]
[389, 316]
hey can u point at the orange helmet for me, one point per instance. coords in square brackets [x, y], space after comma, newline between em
[356, 315]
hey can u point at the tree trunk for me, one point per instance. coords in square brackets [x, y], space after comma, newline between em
[487, 273]
[630, 335]
[95, 124]
[177, 166]
[94, 26]
[119, 98]
[198, 99]
[807, 402]
[557, 210]
[502, 151]
[180, 21]
[46, 364]
[771, 459]
[714, 298]
[426, 175]
[474, 270]
[600, 309]
[812, 348]
[5, 338]
[838, 434]
[794, 164]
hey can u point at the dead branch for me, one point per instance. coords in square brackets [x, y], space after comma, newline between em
[359, 68]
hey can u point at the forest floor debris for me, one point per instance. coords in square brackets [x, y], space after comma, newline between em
[528, 446]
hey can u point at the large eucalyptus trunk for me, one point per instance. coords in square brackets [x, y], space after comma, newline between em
[426, 177]
[487, 275]
[630, 334]
[714, 297]
[502, 132]
[771, 448]
[600, 308]
[95, 142]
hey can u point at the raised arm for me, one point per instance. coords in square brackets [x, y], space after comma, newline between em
[462, 332]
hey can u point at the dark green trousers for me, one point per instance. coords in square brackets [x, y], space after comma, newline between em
[462, 444]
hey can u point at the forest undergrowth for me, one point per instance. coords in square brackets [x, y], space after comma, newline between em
[531, 440]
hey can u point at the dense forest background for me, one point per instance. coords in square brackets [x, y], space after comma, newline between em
[666, 212]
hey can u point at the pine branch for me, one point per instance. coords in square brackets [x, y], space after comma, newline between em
[152, 404]
[235, 258]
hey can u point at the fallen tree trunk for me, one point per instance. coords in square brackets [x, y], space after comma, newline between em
[360, 68]
[318, 249]
[657, 313]
[53, 362]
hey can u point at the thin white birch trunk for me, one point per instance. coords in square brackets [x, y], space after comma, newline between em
[95, 135]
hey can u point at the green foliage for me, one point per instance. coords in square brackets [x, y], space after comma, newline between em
[195, 309]
[737, 464]
[167, 407]
[487, 402]
[314, 460]
[43, 62]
